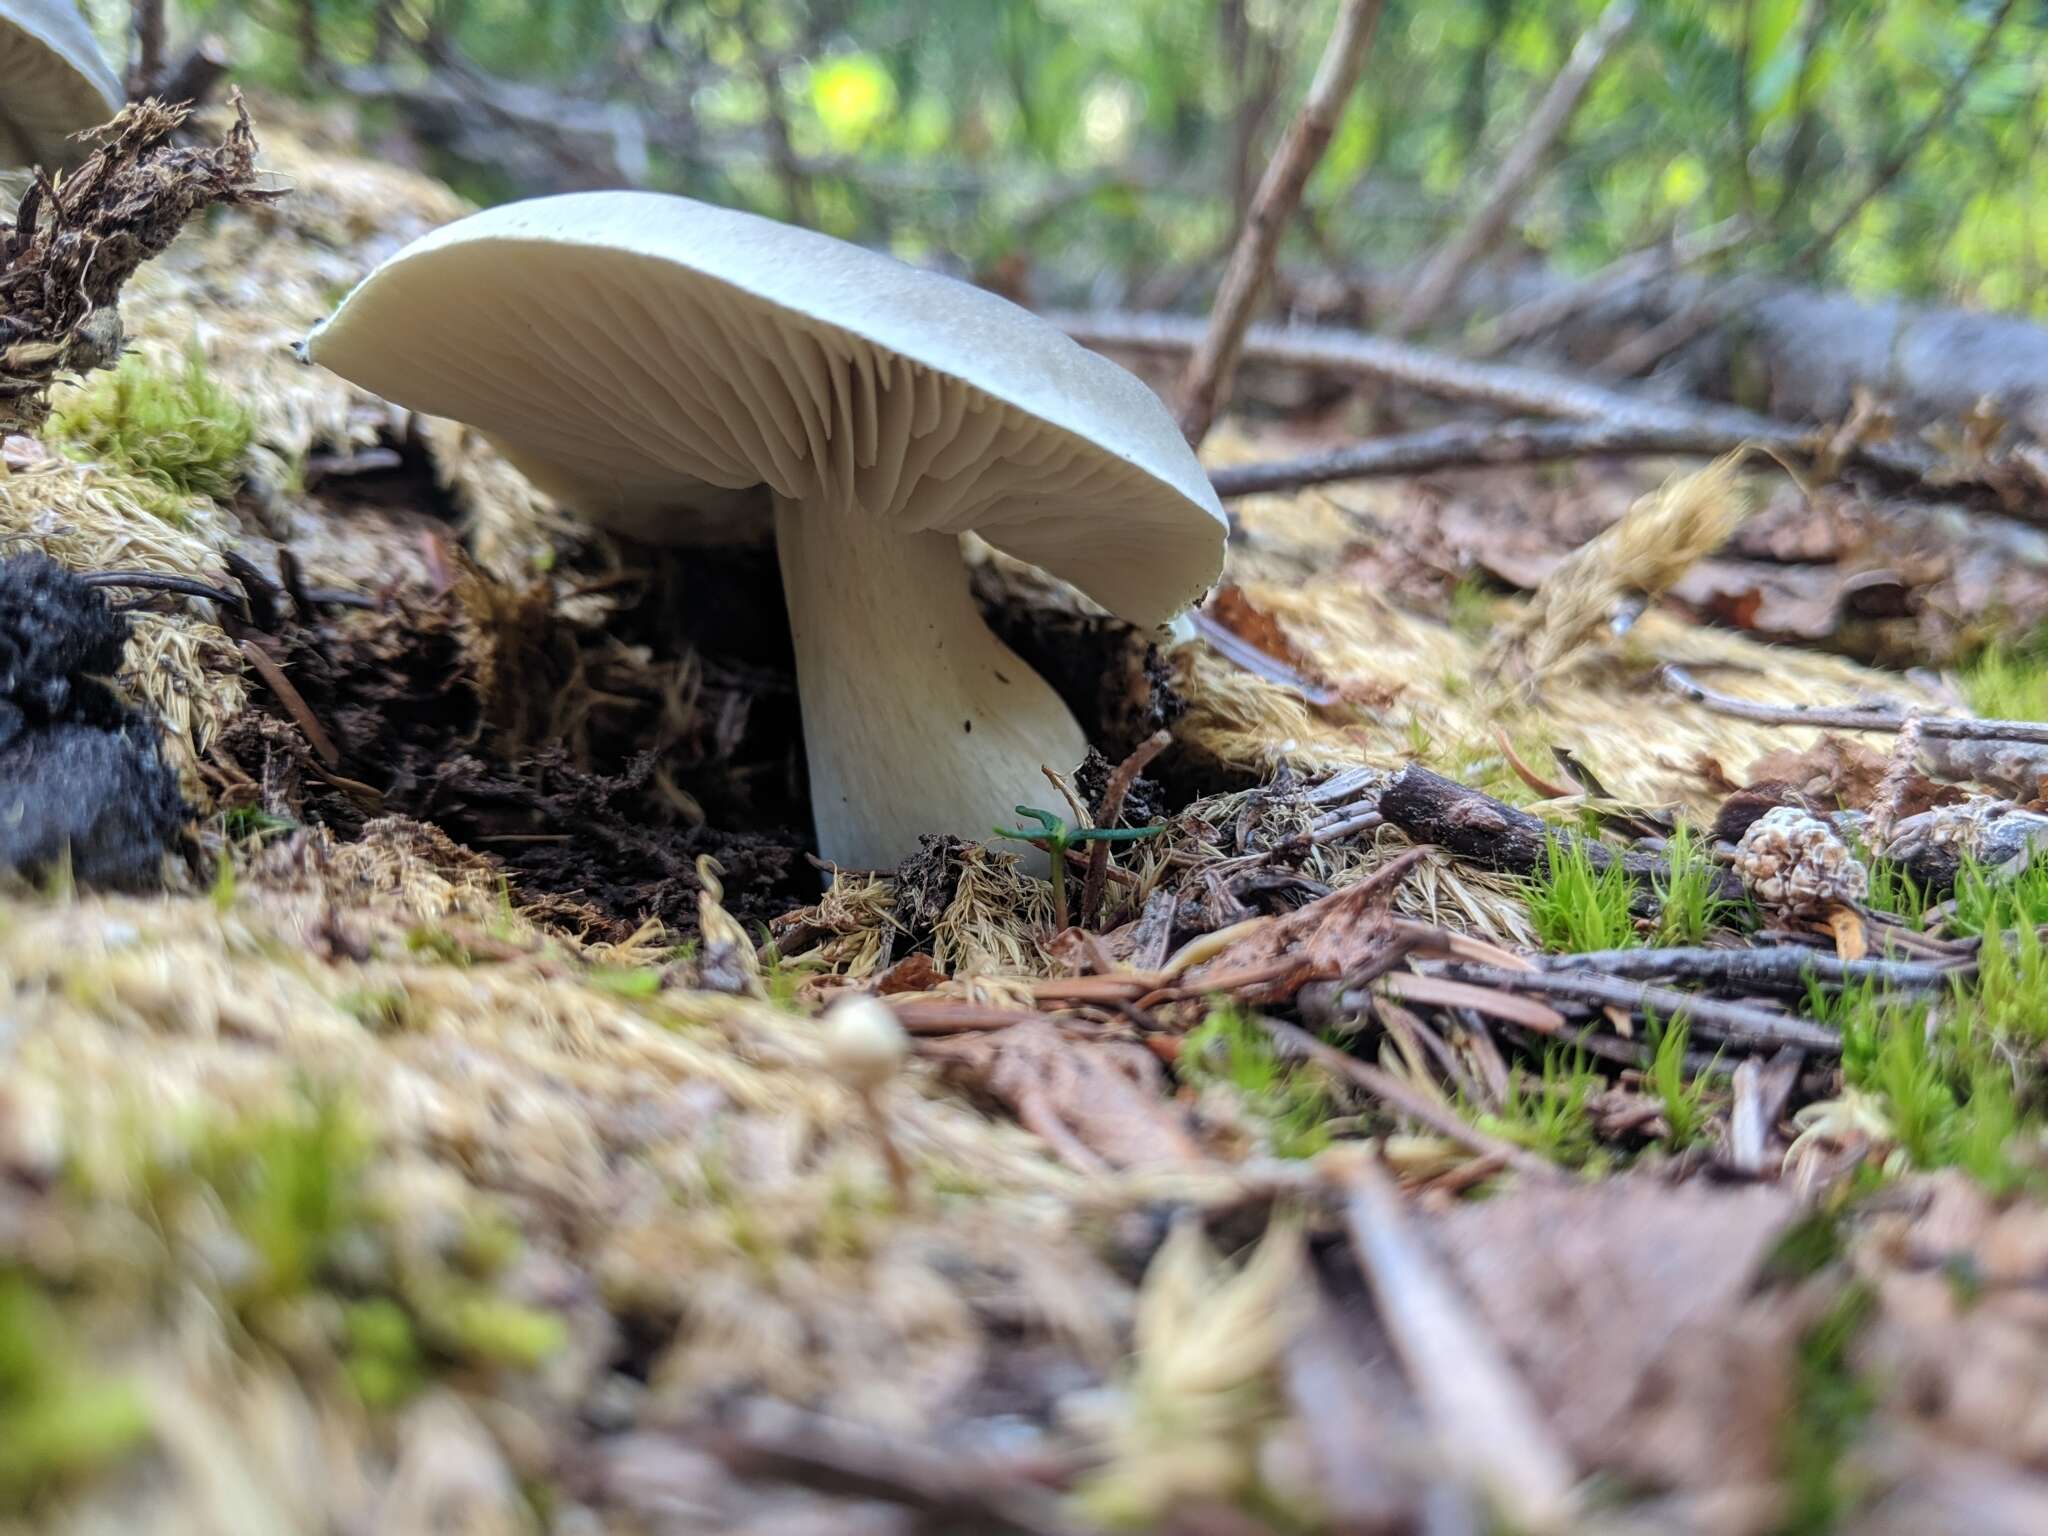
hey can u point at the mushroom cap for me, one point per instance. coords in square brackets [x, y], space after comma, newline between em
[654, 362]
[57, 82]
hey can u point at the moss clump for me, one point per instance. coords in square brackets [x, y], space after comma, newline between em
[327, 1263]
[178, 431]
[2009, 682]
[1292, 1103]
[1578, 908]
[58, 1419]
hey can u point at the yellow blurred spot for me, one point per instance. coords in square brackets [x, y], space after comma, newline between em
[851, 95]
[1684, 179]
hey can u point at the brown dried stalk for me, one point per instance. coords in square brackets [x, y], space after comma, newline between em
[1205, 386]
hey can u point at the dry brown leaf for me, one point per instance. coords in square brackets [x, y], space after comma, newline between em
[1628, 1307]
[1098, 1104]
[1343, 934]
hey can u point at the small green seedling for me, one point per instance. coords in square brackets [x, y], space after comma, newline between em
[1056, 837]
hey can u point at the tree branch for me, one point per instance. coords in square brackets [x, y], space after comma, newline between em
[1820, 717]
[1205, 386]
[1898, 464]
[1889, 169]
[1467, 445]
[1517, 176]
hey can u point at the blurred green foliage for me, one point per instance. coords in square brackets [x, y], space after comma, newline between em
[1111, 143]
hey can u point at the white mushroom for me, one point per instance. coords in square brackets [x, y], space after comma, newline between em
[54, 82]
[683, 373]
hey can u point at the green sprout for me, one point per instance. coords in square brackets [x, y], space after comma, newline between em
[1056, 837]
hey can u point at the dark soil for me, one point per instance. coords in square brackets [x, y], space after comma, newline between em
[82, 775]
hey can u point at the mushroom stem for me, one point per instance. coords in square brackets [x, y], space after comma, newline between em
[916, 718]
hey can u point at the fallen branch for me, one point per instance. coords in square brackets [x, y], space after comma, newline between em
[1825, 717]
[1470, 445]
[1737, 1023]
[1205, 385]
[1900, 464]
[1518, 173]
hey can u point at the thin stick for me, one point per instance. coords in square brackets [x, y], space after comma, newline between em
[1738, 1023]
[1389, 1089]
[1470, 445]
[293, 701]
[1933, 727]
[1788, 968]
[1518, 173]
[1487, 1426]
[1205, 386]
[1120, 782]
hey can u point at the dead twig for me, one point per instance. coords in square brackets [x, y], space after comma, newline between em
[1737, 1023]
[1897, 463]
[1518, 174]
[1120, 782]
[1832, 718]
[293, 701]
[1484, 1418]
[1787, 968]
[1397, 1095]
[1205, 386]
[1474, 826]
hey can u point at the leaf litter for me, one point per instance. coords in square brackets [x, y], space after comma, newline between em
[483, 1049]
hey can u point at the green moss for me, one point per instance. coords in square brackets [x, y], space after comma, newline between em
[1957, 1087]
[1685, 1106]
[1292, 1102]
[1985, 903]
[1689, 904]
[178, 431]
[2009, 682]
[1576, 907]
[59, 1419]
[295, 1189]
[1472, 607]
[1548, 1113]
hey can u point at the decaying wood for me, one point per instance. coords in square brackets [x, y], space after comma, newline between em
[1205, 386]
[1474, 826]
[74, 244]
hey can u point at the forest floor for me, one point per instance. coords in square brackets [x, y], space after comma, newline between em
[1512, 1084]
